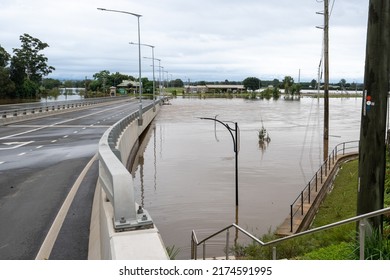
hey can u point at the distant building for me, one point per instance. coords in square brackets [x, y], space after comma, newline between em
[215, 89]
[225, 88]
[128, 86]
[195, 89]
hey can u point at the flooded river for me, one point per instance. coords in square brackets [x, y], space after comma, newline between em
[185, 173]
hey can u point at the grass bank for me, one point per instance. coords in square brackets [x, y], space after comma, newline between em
[333, 244]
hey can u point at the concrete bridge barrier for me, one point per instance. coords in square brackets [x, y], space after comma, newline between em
[121, 229]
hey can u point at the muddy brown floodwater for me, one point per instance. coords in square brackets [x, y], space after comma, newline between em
[184, 174]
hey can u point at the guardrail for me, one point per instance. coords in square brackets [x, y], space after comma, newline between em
[18, 110]
[361, 219]
[117, 181]
[305, 195]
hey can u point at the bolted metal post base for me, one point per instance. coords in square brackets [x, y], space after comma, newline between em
[143, 221]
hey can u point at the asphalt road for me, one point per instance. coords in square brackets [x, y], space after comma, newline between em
[40, 161]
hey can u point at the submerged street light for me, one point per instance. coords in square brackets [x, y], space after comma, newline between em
[140, 121]
[236, 146]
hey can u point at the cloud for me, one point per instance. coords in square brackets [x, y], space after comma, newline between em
[200, 40]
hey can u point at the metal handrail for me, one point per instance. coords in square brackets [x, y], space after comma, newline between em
[305, 194]
[195, 243]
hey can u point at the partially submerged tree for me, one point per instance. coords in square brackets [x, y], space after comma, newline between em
[252, 83]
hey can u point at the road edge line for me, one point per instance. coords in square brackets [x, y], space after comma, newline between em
[48, 243]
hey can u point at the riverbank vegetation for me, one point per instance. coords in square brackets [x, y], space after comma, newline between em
[339, 243]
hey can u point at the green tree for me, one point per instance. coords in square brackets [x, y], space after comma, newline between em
[276, 83]
[252, 83]
[29, 64]
[116, 78]
[177, 83]
[296, 89]
[104, 79]
[147, 86]
[34, 63]
[288, 83]
[4, 57]
[7, 87]
[313, 83]
[342, 83]
[29, 89]
[51, 83]
[101, 79]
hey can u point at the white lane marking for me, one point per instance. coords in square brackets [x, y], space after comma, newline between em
[48, 243]
[15, 145]
[75, 132]
[61, 122]
[1, 162]
[39, 147]
[21, 154]
[65, 136]
[21, 133]
[53, 141]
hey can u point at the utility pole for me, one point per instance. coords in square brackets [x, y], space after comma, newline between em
[372, 148]
[326, 79]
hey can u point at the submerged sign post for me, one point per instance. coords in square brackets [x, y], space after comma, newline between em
[236, 145]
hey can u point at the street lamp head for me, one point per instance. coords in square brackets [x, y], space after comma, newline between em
[146, 45]
[123, 12]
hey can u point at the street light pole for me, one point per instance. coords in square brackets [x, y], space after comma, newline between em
[236, 146]
[326, 79]
[159, 76]
[140, 121]
[154, 80]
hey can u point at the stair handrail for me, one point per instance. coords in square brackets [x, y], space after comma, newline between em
[359, 218]
[319, 175]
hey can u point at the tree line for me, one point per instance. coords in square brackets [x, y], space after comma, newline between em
[21, 74]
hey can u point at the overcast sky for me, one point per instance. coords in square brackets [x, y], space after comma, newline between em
[210, 40]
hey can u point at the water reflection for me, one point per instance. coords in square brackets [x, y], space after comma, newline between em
[184, 171]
